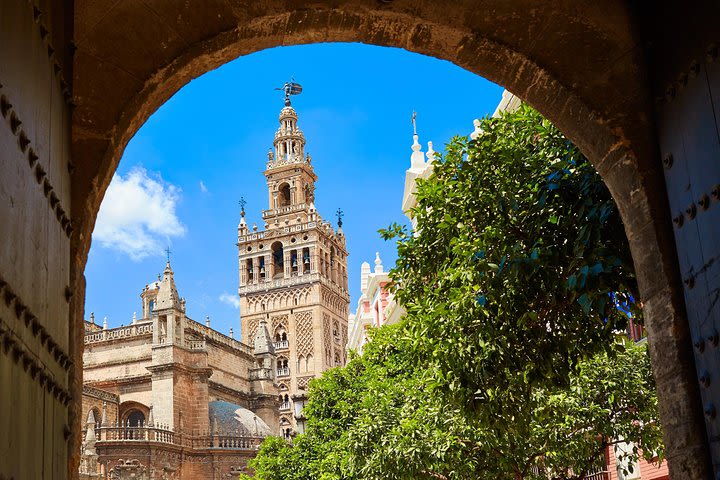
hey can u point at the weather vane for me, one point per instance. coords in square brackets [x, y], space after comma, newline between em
[339, 214]
[414, 116]
[290, 88]
[167, 252]
[242, 203]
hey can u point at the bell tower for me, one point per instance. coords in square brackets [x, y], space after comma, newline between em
[293, 272]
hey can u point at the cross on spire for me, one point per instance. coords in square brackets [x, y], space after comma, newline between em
[242, 203]
[339, 214]
[414, 116]
[167, 252]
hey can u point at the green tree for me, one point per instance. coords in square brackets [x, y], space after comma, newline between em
[508, 359]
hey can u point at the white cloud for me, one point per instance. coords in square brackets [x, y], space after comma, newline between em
[203, 187]
[232, 300]
[137, 216]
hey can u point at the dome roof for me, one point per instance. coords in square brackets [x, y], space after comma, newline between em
[231, 418]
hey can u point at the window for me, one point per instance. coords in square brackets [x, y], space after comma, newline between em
[284, 195]
[278, 259]
[135, 418]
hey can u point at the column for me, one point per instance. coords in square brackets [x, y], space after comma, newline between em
[287, 268]
[256, 269]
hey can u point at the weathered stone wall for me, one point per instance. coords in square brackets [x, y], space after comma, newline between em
[90, 401]
[229, 368]
[35, 229]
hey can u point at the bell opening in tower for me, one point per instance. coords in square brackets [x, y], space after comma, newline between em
[284, 195]
[278, 260]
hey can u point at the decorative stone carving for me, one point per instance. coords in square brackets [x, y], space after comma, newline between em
[304, 333]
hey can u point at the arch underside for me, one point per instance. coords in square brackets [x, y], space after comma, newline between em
[578, 64]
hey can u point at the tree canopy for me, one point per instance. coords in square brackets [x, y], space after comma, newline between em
[508, 363]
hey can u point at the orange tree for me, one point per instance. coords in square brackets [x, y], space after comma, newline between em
[508, 363]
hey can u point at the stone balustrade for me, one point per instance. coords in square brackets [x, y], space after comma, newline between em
[261, 374]
[282, 345]
[165, 434]
[217, 337]
[196, 345]
[120, 332]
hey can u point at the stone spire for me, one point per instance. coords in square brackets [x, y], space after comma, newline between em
[89, 456]
[167, 296]
[263, 341]
[378, 263]
[104, 420]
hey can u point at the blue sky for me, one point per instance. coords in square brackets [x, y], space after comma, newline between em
[182, 175]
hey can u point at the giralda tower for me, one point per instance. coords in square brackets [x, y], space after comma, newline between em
[293, 273]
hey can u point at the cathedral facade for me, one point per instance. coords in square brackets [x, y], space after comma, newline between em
[293, 272]
[171, 398]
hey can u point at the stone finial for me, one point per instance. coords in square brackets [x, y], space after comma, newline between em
[416, 159]
[151, 419]
[134, 320]
[378, 263]
[207, 320]
[364, 274]
[104, 420]
[477, 131]
[430, 153]
[232, 335]
[90, 437]
[105, 323]
[263, 341]
[90, 418]
[167, 296]
[92, 318]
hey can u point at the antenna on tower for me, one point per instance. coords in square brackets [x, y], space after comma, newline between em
[290, 88]
[414, 116]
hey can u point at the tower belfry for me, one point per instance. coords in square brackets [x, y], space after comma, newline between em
[293, 273]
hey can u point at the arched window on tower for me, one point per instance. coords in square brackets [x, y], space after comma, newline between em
[278, 260]
[306, 260]
[284, 195]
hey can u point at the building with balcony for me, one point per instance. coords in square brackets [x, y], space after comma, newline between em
[169, 397]
[293, 272]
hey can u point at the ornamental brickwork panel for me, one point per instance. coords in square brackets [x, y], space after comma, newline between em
[304, 333]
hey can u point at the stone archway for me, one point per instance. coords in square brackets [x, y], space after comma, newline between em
[587, 67]
[580, 69]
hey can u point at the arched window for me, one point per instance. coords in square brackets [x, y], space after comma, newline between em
[134, 418]
[301, 365]
[278, 259]
[284, 195]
